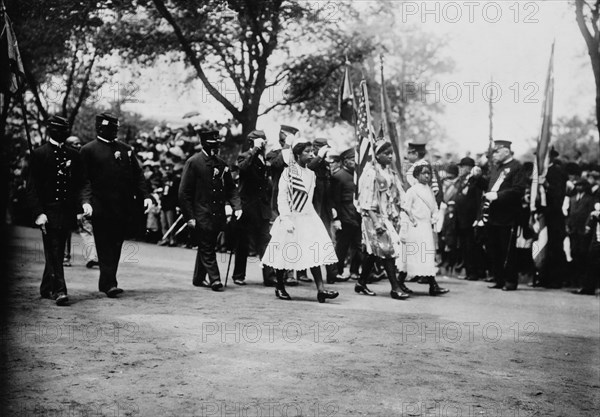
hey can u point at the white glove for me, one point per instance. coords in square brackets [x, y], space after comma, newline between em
[476, 171]
[147, 205]
[337, 225]
[259, 143]
[237, 214]
[87, 210]
[333, 213]
[491, 196]
[191, 223]
[323, 152]
[41, 220]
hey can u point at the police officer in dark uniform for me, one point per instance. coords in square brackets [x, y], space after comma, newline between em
[348, 221]
[255, 194]
[503, 198]
[206, 185]
[118, 197]
[53, 190]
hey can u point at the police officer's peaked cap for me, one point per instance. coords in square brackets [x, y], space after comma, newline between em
[320, 142]
[257, 134]
[416, 147]
[58, 122]
[106, 119]
[210, 136]
[289, 129]
[498, 144]
[348, 154]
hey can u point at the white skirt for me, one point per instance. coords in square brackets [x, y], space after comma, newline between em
[307, 246]
[420, 250]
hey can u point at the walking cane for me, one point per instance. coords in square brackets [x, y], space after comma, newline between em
[168, 232]
[233, 220]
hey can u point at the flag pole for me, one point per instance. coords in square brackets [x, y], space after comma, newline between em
[491, 128]
[388, 123]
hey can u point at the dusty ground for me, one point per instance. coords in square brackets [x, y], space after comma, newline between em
[167, 348]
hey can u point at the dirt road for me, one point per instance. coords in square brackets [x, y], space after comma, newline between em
[168, 348]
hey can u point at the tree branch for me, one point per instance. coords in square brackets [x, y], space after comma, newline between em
[192, 57]
[84, 87]
[70, 80]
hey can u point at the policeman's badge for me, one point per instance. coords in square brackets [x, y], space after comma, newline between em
[118, 155]
[216, 172]
[68, 164]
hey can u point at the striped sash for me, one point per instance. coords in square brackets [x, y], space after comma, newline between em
[297, 189]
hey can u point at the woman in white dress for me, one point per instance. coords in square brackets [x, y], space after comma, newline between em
[299, 239]
[379, 194]
[422, 211]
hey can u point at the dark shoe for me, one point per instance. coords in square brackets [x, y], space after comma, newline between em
[62, 300]
[291, 282]
[163, 242]
[91, 264]
[342, 278]
[363, 289]
[216, 286]
[304, 278]
[414, 279]
[398, 295]
[113, 292]
[204, 283]
[354, 277]
[472, 278]
[496, 286]
[323, 295]
[509, 287]
[282, 294]
[66, 263]
[584, 291]
[435, 289]
[490, 279]
[270, 283]
[239, 281]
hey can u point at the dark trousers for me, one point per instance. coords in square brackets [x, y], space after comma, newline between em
[256, 230]
[501, 247]
[579, 252]
[53, 279]
[553, 269]
[109, 236]
[593, 267]
[472, 253]
[206, 257]
[349, 238]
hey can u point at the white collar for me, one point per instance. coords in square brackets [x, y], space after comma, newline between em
[55, 143]
[104, 140]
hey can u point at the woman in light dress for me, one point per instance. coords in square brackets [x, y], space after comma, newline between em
[422, 211]
[299, 239]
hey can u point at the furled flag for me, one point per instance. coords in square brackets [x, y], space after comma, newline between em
[388, 124]
[537, 205]
[346, 98]
[11, 67]
[365, 135]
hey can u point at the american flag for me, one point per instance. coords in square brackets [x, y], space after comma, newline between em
[365, 134]
[540, 163]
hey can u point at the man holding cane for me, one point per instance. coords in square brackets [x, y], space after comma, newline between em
[53, 189]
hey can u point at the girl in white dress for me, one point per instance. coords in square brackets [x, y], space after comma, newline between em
[422, 211]
[299, 239]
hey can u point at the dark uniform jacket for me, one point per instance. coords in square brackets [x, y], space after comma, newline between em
[579, 211]
[504, 211]
[322, 197]
[556, 189]
[276, 166]
[55, 182]
[255, 186]
[118, 188]
[342, 195]
[468, 200]
[206, 185]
